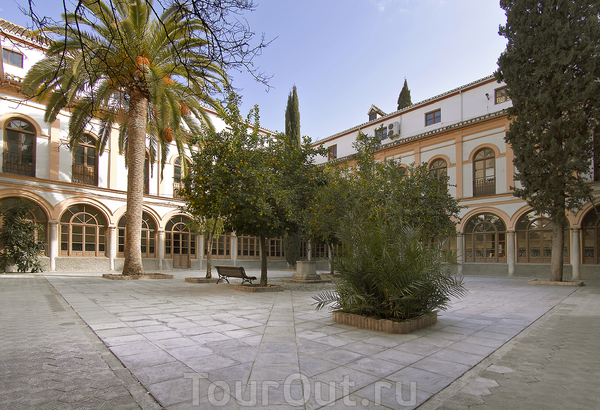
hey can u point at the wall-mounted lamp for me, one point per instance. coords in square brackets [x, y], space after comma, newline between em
[487, 95]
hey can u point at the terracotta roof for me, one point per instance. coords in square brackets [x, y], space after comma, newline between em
[8, 28]
[376, 109]
[410, 107]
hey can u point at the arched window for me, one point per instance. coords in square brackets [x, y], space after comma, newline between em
[85, 162]
[484, 173]
[439, 169]
[82, 232]
[485, 239]
[37, 215]
[19, 148]
[591, 237]
[534, 239]
[180, 243]
[148, 236]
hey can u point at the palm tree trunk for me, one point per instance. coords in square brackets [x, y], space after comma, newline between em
[263, 260]
[136, 150]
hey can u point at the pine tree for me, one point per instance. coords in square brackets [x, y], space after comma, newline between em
[291, 242]
[404, 97]
[551, 66]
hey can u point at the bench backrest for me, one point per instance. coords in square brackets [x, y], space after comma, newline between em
[232, 271]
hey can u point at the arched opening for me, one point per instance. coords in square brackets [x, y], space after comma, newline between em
[148, 237]
[82, 231]
[485, 239]
[180, 243]
[590, 232]
[534, 239]
[37, 216]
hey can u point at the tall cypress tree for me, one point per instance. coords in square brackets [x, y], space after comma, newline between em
[551, 66]
[292, 120]
[404, 97]
[291, 242]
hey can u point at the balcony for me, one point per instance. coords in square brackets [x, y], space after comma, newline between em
[484, 186]
[83, 174]
[12, 164]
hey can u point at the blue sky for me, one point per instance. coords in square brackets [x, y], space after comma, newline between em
[344, 55]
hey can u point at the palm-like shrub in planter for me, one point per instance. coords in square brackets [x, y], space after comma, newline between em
[387, 273]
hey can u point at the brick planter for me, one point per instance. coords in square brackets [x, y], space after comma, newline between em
[258, 288]
[554, 283]
[383, 325]
[201, 280]
[116, 276]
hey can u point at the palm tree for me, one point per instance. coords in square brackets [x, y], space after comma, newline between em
[120, 65]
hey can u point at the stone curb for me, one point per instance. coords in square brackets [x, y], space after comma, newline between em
[201, 280]
[383, 325]
[118, 276]
[258, 288]
[554, 283]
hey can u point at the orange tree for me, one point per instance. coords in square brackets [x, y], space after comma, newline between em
[250, 181]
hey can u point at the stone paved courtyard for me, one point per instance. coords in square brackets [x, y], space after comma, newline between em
[200, 346]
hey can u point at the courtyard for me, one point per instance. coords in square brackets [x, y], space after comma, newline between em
[80, 341]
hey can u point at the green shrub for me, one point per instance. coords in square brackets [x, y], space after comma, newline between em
[17, 239]
[387, 273]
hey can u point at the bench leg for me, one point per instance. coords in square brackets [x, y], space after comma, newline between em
[221, 277]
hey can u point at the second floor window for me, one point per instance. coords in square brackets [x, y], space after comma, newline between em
[381, 133]
[484, 173]
[12, 58]
[85, 162]
[438, 169]
[332, 152]
[501, 95]
[433, 117]
[19, 148]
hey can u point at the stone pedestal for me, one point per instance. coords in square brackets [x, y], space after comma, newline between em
[306, 270]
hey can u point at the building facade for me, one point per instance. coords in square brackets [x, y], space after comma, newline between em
[460, 133]
[79, 196]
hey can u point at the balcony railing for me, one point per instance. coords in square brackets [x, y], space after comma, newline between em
[83, 174]
[12, 164]
[484, 186]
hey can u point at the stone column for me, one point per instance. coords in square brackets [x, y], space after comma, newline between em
[112, 245]
[510, 253]
[161, 248]
[308, 251]
[53, 244]
[460, 250]
[575, 251]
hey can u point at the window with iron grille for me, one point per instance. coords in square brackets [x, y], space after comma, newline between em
[19, 148]
[484, 173]
[85, 162]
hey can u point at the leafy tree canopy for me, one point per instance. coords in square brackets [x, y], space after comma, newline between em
[250, 179]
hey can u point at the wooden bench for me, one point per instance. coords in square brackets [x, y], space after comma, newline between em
[233, 272]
